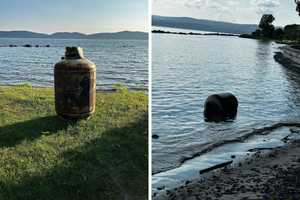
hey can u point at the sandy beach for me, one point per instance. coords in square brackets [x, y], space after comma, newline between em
[267, 174]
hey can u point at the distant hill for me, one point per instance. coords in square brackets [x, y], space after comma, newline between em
[120, 35]
[75, 35]
[202, 25]
[21, 34]
[67, 35]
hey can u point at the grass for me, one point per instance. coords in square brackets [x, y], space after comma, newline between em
[43, 157]
[288, 42]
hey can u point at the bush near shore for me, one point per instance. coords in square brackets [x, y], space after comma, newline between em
[43, 157]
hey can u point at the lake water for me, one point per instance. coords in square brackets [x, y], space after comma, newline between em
[117, 61]
[187, 69]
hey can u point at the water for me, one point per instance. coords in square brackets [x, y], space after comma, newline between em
[117, 61]
[187, 69]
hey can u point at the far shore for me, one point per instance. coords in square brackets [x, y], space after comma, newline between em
[245, 36]
[193, 33]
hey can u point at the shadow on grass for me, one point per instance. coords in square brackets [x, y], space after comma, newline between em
[113, 166]
[14, 134]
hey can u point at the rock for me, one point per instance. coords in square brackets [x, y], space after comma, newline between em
[154, 136]
[191, 198]
[161, 188]
[220, 107]
[233, 156]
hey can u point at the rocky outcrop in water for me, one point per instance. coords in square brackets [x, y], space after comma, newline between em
[27, 45]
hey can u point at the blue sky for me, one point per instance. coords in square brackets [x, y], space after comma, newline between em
[239, 11]
[87, 16]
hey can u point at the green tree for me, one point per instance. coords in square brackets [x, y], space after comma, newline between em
[298, 6]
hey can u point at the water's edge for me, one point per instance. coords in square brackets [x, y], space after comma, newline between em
[235, 150]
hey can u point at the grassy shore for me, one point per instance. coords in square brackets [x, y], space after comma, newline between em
[43, 157]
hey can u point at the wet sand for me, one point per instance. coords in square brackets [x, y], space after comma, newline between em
[267, 174]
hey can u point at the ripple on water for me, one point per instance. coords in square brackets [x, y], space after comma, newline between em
[127, 65]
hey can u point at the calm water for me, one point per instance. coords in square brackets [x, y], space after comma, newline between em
[187, 69]
[117, 61]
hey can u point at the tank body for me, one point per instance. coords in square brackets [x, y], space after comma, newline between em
[75, 85]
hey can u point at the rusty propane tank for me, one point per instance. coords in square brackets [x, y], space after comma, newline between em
[75, 85]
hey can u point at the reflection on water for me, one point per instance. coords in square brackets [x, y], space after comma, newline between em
[117, 61]
[187, 69]
[293, 76]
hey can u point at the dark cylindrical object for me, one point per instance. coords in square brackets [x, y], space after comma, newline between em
[75, 85]
[220, 107]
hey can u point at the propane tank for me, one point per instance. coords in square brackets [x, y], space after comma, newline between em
[220, 107]
[75, 85]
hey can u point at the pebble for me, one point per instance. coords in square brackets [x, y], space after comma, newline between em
[155, 136]
[160, 188]
[187, 182]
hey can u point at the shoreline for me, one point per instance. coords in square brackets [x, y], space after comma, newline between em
[112, 90]
[172, 184]
[266, 174]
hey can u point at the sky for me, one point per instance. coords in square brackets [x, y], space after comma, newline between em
[238, 11]
[86, 16]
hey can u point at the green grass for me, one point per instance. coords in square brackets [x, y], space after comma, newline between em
[43, 157]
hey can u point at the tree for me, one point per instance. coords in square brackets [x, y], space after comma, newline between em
[266, 26]
[298, 6]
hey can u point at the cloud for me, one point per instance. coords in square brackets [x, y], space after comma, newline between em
[198, 4]
[218, 5]
[219, 9]
[167, 4]
[265, 6]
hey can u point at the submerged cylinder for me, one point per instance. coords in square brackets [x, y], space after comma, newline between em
[220, 107]
[75, 85]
